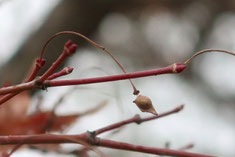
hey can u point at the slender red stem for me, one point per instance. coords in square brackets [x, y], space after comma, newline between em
[136, 92]
[18, 88]
[69, 49]
[65, 71]
[136, 119]
[175, 68]
[85, 137]
[39, 139]
[144, 149]
[91, 139]
[39, 63]
[206, 51]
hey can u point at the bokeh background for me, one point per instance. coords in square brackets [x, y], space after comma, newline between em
[141, 35]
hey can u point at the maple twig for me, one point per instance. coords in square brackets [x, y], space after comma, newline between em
[206, 51]
[136, 92]
[144, 149]
[69, 48]
[174, 68]
[91, 139]
[39, 63]
[18, 88]
[136, 119]
[85, 137]
[65, 71]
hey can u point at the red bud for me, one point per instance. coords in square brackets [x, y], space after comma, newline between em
[40, 62]
[68, 43]
[72, 48]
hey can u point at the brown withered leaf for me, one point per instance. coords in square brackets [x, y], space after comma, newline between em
[40, 121]
[15, 121]
[35, 124]
[15, 109]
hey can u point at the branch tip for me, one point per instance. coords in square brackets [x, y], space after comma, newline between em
[92, 137]
[68, 70]
[70, 47]
[178, 67]
[206, 51]
[68, 43]
[179, 108]
[40, 62]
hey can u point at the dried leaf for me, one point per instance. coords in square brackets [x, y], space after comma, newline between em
[35, 124]
[39, 122]
[15, 109]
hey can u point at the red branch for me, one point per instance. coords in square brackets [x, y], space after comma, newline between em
[39, 63]
[136, 119]
[65, 71]
[144, 149]
[175, 68]
[85, 137]
[69, 48]
[46, 80]
[90, 138]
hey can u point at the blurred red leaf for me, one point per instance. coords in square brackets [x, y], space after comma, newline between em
[36, 123]
[14, 120]
[14, 109]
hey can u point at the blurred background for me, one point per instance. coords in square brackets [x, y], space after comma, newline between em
[141, 35]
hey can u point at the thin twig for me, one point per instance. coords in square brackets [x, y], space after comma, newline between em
[205, 51]
[65, 71]
[136, 92]
[136, 119]
[175, 68]
[86, 138]
[69, 48]
[38, 64]
[91, 139]
[144, 149]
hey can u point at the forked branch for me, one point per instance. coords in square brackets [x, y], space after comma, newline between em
[175, 68]
[91, 138]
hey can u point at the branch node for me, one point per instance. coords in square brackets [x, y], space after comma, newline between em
[40, 84]
[92, 137]
[137, 119]
[174, 68]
